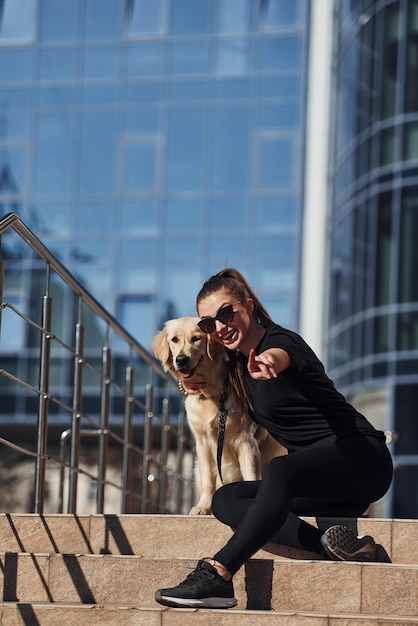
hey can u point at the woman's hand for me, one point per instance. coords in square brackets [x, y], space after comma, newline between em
[268, 364]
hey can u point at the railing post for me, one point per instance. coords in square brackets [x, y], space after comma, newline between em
[104, 427]
[165, 447]
[181, 447]
[127, 441]
[42, 432]
[76, 417]
[149, 402]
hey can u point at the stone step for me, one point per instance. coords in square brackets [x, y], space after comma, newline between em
[262, 584]
[171, 536]
[41, 614]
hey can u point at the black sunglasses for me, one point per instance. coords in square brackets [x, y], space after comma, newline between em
[224, 315]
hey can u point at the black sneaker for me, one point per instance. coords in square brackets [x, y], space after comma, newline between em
[203, 588]
[341, 544]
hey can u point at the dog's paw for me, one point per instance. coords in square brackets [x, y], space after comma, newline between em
[200, 510]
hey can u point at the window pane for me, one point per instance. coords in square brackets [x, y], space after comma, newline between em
[383, 254]
[57, 63]
[275, 165]
[228, 214]
[190, 58]
[280, 115]
[280, 53]
[231, 151]
[145, 60]
[146, 17]
[410, 142]
[53, 154]
[13, 175]
[276, 214]
[15, 66]
[139, 216]
[103, 19]
[17, 19]
[278, 13]
[189, 18]
[408, 247]
[137, 315]
[411, 95]
[184, 216]
[101, 62]
[94, 218]
[233, 57]
[390, 59]
[97, 153]
[140, 166]
[58, 20]
[185, 150]
[235, 16]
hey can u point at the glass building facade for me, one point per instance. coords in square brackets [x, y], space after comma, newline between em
[148, 144]
[372, 338]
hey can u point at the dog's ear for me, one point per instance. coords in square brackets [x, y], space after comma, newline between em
[161, 348]
[213, 348]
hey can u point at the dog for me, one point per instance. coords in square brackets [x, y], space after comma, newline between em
[188, 353]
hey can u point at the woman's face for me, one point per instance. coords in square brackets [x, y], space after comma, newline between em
[233, 331]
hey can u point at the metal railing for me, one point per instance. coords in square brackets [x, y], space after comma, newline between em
[116, 396]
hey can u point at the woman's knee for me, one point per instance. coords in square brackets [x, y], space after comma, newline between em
[222, 502]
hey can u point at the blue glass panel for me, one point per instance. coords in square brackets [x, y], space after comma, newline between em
[228, 213]
[56, 97]
[190, 58]
[136, 313]
[16, 127]
[179, 248]
[101, 62]
[189, 18]
[100, 94]
[276, 246]
[280, 278]
[186, 135]
[276, 213]
[183, 216]
[232, 148]
[52, 218]
[97, 152]
[103, 19]
[181, 283]
[233, 56]
[57, 63]
[140, 166]
[143, 93]
[280, 87]
[18, 97]
[280, 310]
[94, 217]
[15, 65]
[279, 13]
[17, 20]
[228, 249]
[235, 16]
[147, 17]
[280, 115]
[13, 169]
[138, 248]
[281, 53]
[276, 159]
[145, 60]
[187, 90]
[142, 120]
[139, 217]
[53, 154]
[233, 88]
[58, 20]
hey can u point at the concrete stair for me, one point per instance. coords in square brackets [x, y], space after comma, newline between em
[104, 569]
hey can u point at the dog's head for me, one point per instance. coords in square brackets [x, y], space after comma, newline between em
[185, 350]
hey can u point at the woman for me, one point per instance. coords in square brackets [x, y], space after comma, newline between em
[338, 463]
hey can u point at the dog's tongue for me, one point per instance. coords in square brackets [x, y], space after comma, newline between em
[184, 373]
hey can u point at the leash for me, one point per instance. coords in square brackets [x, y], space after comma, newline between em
[223, 414]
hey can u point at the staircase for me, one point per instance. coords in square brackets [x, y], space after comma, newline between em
[104, 570]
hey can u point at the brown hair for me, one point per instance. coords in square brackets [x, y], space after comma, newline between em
[233, 281]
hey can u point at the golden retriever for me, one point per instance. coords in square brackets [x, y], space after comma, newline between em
[187, 352]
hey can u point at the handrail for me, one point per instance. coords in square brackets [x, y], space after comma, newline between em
[154, 463]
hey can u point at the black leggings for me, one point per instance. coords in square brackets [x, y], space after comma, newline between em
[339, 479]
